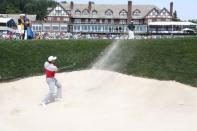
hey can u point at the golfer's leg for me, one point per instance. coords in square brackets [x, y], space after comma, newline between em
[52, 91]
[59, 92]
[59, 89]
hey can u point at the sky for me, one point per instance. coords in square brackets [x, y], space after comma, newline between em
[186, 9]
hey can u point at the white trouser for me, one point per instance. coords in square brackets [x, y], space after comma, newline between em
[25, 35]
[130, 35]
[55, 90]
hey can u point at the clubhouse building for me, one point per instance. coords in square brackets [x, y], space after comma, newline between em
[92, 18]
[101, 18]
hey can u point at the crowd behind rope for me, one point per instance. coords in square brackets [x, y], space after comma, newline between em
[65, 36]
[61, 35]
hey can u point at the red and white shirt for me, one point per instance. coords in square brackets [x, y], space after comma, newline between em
[50, 69]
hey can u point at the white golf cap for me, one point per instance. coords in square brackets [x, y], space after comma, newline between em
[22, 14]
[52, 58]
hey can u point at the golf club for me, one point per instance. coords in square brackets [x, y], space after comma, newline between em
[66, 67]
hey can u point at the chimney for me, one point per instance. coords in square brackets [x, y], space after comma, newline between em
[90, 5]
[171, 8]
[129, 14]
[71, 5]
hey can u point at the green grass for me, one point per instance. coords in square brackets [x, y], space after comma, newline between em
[171, 59]
[164, 59]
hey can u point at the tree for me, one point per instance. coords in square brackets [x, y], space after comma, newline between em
[38, 7]
[193, 21]
[65, 2]
[52, 3]
[10, 9]
[175, 17]
[3, 7]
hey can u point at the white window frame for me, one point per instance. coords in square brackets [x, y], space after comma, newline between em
[122, 21]
[63, 26]
[136, 12]
[58, 12]
[56, 26]
[123, 13]
[109, 13]
[85, 12]
[93, 21]
[78, 21]
[77, 12]
[44, 27]
[94, 13]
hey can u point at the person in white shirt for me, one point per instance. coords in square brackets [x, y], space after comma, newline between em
[55, 88]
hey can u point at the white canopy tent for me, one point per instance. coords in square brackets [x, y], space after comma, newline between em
[4, 20]
[173, 23]
[188, 29]
[7, 24]
[172, 27]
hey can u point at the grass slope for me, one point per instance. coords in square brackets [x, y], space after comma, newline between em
[165, 59]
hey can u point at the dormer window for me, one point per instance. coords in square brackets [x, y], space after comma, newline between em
[164, 12]
[77, 12]
[58, 12]
[108, 13]
[85, 12]
[136, 12]
[123, 13]
[154, 12]
[94, 13]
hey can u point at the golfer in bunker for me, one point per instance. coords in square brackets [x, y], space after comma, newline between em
[55, 88]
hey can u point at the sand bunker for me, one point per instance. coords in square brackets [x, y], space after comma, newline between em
[99, 101]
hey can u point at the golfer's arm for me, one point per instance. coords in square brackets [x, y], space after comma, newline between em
[53, 68]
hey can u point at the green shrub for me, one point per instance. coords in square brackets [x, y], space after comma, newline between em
[165, 59]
